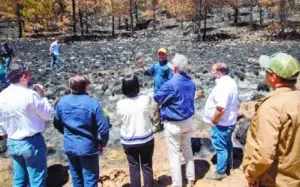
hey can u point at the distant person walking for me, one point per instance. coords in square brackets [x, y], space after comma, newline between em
[221, 111]
[9, 54]
[55, 53]
[81, 120]
[176, 98]
[135, 112]
[272, 148]
[23, 113]
[162, 73]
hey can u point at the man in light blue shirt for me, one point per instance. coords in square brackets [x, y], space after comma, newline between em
[54, 51]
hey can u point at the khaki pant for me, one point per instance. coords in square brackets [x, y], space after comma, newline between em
[156, 114]
[178, 139]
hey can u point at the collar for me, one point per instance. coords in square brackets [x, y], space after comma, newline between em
[163, 62]
[221, 78]
[79, 93]
[19, 85]
[182, 74]
[273, 93]
[282, 90]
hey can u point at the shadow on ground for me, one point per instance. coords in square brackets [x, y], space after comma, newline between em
[238, 155]
[57, 175]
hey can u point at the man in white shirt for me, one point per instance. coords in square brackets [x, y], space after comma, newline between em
[23, 113]
[221, 111]
[54, 51]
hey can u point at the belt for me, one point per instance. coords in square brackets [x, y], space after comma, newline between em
[37, 134]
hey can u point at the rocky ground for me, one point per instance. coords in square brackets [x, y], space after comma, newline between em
[108, 60]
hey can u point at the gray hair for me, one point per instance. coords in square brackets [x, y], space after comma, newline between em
[180, 61]
[222, 67]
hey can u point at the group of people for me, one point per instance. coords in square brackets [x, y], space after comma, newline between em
[272, 153]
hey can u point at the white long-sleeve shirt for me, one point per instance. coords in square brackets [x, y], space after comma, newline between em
[135, 114]
[22, 112]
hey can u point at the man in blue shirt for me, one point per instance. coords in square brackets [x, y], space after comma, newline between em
[162, 73]
[54, 51]
[176, 98]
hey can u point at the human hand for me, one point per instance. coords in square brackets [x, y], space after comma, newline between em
[140, 62]
[199, 94]
[39, 89]
[254, 60]
[101, 148]
[253, 184]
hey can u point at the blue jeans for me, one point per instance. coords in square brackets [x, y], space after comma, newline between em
[29, 161]
[4, 80]
[56, 60]
[84, 170]
[221, 141]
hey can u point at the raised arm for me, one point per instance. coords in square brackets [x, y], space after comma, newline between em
[150, 71]
[40, 106]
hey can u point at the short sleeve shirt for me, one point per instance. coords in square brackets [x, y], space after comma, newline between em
[224, 95]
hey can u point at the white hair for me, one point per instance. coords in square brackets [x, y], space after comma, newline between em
[180, 61]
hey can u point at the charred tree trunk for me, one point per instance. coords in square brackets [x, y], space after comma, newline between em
[251, 16]
[199, 6]
[86, 23]
[181, 23]
[131, 16]
[205, 23]
[261, 18]
[113, 26]
[236, 14]
[18, 12]
[136, 11]
[282, 16]
[154, 13]
[81, 21]
[119, 22]
[126, 24]
[74, 16]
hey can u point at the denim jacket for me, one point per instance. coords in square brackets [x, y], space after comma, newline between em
[81, 119]
[176, 98]
[161, 73]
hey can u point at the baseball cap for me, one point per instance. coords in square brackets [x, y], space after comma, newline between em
[162, 50]
[281, 64]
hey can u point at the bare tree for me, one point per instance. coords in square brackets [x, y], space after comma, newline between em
[74, 16]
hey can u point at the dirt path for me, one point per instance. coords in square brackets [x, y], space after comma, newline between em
[114, 170]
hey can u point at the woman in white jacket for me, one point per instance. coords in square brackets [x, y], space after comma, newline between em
[135, 111]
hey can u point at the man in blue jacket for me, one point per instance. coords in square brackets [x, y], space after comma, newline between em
[82, 121]
[162, 73]
[176, 98]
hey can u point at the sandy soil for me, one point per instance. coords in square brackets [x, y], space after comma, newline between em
[114, 170]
